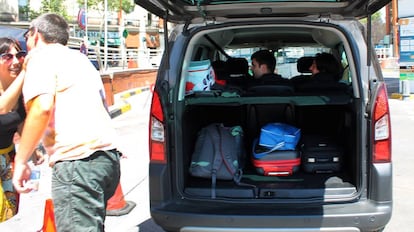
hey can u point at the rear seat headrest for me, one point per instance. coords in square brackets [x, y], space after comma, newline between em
[304, 63]
[219, 68]
[237, 66]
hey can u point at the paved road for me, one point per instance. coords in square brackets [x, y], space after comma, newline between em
[132, 126]
[402, 118]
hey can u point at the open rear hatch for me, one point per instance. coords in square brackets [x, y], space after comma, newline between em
[185, 11]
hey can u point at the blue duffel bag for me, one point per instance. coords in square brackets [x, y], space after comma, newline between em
[278, 136]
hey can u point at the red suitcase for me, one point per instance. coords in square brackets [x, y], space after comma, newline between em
[276, 163]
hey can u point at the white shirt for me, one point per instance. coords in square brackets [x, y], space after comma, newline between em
[80, 124]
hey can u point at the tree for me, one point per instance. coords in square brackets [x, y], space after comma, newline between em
[54, 6]
[113, 5]
[377, 26]
[47, 6]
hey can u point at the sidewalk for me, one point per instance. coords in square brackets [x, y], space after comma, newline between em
[31, 207]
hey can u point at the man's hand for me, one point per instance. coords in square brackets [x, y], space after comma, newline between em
[21, 176]
[38, 155]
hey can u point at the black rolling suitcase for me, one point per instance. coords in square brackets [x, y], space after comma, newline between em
[321, 154]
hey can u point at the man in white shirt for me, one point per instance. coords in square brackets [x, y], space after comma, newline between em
[64, 96]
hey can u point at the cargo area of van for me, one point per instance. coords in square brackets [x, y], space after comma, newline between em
[335, 118]
[221, 94]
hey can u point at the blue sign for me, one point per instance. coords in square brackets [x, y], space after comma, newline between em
[82, 19]
[406, 41]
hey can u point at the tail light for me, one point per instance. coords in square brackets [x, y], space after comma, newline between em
[156, 131]
[382, 128]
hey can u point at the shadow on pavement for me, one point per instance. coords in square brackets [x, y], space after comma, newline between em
[149, 226]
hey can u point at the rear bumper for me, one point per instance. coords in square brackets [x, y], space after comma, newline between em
[340, 217]
[336, 229]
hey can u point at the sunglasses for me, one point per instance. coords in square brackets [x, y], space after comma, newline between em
[26, 34]
[9, 56]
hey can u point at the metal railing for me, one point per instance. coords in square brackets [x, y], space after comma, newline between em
[118, 58]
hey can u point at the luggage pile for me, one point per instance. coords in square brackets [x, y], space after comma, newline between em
[280, 150]
[275, 153]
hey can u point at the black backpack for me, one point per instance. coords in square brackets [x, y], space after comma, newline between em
[219, 154]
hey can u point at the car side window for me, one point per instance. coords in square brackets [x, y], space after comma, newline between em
[346, 73]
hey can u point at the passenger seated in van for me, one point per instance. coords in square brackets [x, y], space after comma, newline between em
[263, 68]
[265, 81]
[325, 67]
[325, 74]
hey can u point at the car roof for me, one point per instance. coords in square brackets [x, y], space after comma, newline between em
[184, 11]
[15, 33]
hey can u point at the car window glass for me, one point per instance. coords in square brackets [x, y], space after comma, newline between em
[346, 74]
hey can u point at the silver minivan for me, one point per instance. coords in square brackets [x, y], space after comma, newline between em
[204, 78]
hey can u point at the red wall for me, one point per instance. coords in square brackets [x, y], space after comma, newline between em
[124, 80]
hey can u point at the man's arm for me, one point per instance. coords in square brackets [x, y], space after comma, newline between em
[39, 111]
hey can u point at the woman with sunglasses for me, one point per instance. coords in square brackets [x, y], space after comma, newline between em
[11, 61]
[12, 115]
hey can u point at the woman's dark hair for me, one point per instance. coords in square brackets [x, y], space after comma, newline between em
[6, 43]
[327, 63]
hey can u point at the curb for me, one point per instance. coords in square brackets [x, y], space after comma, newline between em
[125, 107]
[133, 92]
[400, 96]
[119, 109]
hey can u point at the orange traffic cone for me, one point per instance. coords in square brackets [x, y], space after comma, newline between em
[49, 217]
[117, 206]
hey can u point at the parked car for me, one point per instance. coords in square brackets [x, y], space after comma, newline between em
[14, 32]
[353, 112]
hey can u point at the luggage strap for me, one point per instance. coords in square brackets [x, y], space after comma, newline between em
[262, 154]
